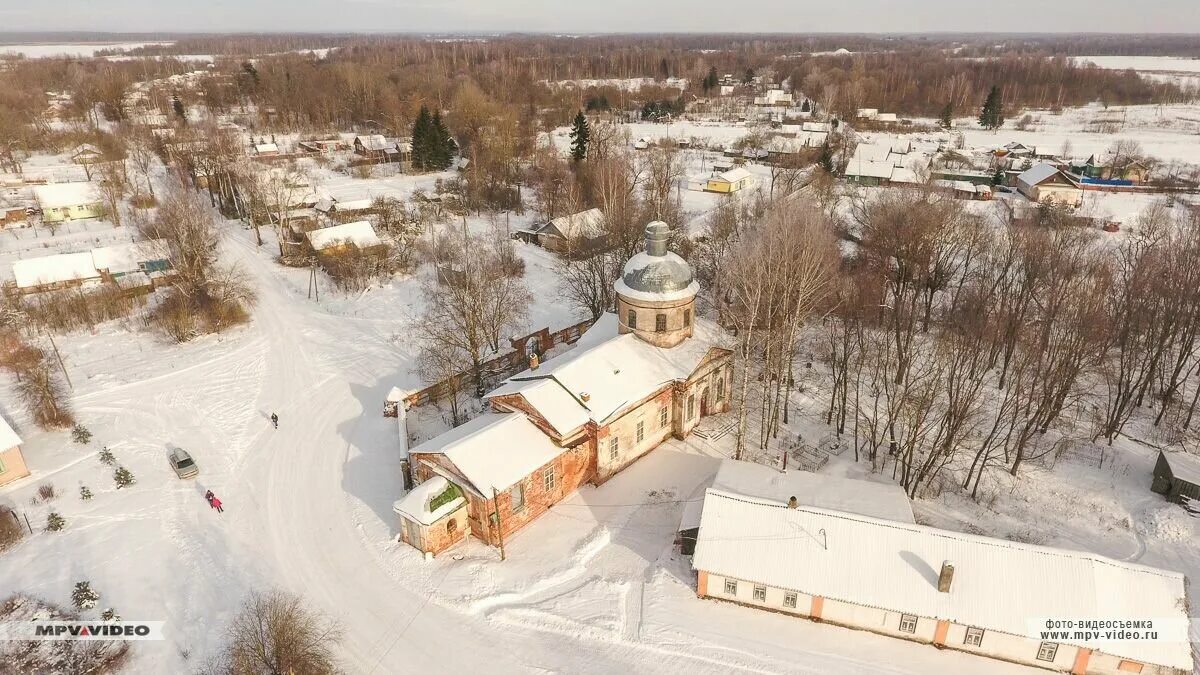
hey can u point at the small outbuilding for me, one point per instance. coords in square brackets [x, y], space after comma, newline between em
[576, 233]
[1177, 477]
[433, 516]
[731, 181]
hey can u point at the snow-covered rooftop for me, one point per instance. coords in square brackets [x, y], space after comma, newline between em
[587, 224]
[1185, 466]
[998, 584]
[373, 142]
[125, 258]
[494, 451]
[1037, 174]
[53, 269]
[415, 504]
[615, 370]
[58, 195]
[735, 174]
[360, 233]
[869, 498]
[8, 437]
[264, 148]
[555, 404]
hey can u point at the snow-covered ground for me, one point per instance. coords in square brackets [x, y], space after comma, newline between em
[1176, 64]
[35, 51]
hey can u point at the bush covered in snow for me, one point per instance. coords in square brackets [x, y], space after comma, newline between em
[55, 656]
[85, 493]
[55, 522]
[110, 614]
[45, 493]
[83, 597]
[123, 477]
[11, 531]
[106, 457]
[81, 435]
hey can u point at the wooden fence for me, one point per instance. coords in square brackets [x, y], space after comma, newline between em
[496, 369]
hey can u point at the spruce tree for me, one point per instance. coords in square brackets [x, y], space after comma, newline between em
[441, 144]
[83, 597]
[947, 116]
[711, 80]
[421, 137]
[992, 114]
[580, 135]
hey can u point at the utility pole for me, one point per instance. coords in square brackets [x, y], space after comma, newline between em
[59, 357]
[499, 529]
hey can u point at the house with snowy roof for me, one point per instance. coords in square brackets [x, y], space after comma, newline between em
[12, 462]
[68, 201]
[634, 379]
[728, 182]
[989, 597]
[328, 240]
[578, 232]
[1048, 184]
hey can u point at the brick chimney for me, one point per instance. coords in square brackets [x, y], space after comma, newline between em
[946, 577]
[792, 503]
[534, 362]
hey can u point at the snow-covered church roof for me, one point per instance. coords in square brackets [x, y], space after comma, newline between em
[607, 371]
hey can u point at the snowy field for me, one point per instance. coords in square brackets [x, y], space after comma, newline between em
[1175, 64]
[36, 51]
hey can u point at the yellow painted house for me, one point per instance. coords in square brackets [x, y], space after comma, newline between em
[730, 181]
[68, 201]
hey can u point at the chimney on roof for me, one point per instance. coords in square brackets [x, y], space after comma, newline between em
[534, 362]
[946, 577]
[792, 503]
[585, 397]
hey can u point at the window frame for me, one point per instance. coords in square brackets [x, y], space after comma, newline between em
[731, 586]
[909, 620]
[760, 593]
[687, 318]
[549, 480]
[691, 406]
[720, 387]
[614, 447]
[631, 318]
[663, 419]
[660, 323]
[517, 490]
[790, 599]
[973, 637]
[641, 431]
[1052, 646]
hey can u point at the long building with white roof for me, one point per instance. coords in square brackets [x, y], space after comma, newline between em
[991, 597]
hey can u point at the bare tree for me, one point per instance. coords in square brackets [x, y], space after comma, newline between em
[275, 634]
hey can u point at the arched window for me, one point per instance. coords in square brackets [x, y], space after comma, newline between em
[631, 321]
[687, 318]
[720, 388]
[660, 322]
[451, 526]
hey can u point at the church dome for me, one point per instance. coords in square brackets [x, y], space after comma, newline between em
[656, 274]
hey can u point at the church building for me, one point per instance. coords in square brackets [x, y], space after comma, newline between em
[649, 372]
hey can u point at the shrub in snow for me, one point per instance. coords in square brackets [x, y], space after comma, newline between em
[110, 614]
[83, 597]
[106, 456]
[10, 529]
[55, 522]
[55, 656]
[123, 478]
[81, 435]
[45, 493]
[85, 493]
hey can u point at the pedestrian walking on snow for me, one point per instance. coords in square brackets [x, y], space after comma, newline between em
[216, 504]
[208, 496]
[275, 420]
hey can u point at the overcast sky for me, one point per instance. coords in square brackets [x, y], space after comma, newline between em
[790, 16]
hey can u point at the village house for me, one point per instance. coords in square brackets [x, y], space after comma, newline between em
[581, 232]
[728, 182]
[265, 150]
[86, 154]
[337, 238]
[132, 266]
[1107, 168]
[878, 165]
[884, 500]
[1047, 184]
[1177, 477]
[953, 590]
[634, 379]
[61, 202]
[12, 462]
